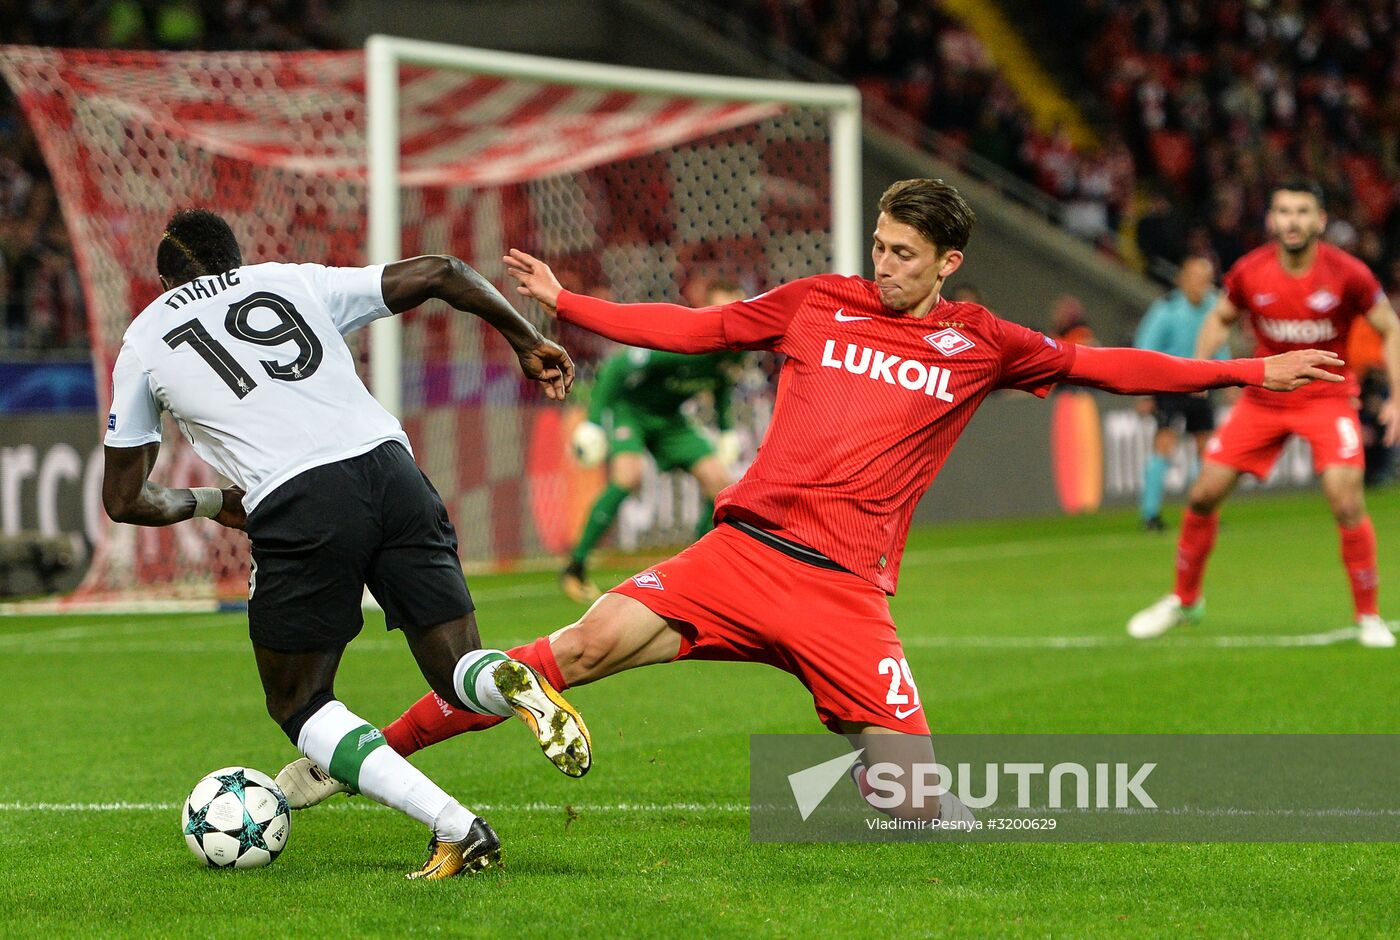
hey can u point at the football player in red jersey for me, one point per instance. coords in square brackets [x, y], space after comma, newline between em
[880, 378]
[1298, 292]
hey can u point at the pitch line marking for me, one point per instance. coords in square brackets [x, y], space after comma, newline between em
[358, 805]
[53, 645]
[1264, 640]
[652, 808]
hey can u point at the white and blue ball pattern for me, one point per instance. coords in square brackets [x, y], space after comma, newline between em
[236, 818]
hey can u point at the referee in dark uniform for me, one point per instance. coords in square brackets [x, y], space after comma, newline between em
[1170, 326]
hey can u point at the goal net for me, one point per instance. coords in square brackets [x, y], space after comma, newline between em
[633, 184]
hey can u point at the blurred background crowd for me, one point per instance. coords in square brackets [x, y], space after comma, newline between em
[1196, 107]
[41, 303]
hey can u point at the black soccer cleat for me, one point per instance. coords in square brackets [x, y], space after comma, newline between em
[480, 850]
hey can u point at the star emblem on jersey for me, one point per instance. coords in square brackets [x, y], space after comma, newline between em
[1322, 300]
[949, 342]
[648, 579]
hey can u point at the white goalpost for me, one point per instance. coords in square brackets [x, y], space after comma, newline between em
[385, 54]
[634, 183]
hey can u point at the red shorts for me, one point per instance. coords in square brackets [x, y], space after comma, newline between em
[736, 599]
[1253, 435]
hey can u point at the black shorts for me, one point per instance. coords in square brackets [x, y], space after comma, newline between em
[1197, 413]
[323, 536]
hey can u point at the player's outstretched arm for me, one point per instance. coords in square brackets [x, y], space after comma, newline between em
[129, 496]
[406, 284]
[1140, 372]
[654, 326]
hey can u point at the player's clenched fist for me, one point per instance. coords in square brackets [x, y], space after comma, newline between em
[535, 277]
[548, 364]
[1290, 370]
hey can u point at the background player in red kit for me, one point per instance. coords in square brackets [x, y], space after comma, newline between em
[879, 380]
[1298, 291]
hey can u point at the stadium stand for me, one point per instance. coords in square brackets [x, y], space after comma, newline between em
[1219, 100]
[924, 62]
[1203, 106]
[41, 302]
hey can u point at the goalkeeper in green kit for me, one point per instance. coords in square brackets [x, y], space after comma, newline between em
[635, 410]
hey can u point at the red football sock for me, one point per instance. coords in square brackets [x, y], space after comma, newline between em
[430, 719]
[1192, 551]
[540, 656]
[1359, 557]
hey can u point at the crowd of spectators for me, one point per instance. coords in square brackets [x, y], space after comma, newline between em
[1205, 104]
[41, 303]
[1219, 99]
[918, 59]
[39, 293]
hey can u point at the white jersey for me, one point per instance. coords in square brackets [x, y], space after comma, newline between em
[254, 369]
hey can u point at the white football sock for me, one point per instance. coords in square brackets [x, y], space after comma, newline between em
[475, 682]
[356, 754]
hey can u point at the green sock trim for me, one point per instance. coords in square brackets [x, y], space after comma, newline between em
[351, 752]
[469, 679]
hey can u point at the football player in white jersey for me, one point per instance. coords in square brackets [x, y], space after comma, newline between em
[251, 363]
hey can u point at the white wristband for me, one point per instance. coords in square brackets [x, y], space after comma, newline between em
[208, 501]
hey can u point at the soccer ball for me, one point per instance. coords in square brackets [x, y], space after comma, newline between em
[589, 444]
[236, 818]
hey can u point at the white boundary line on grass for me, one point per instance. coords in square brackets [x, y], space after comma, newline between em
[357, 805]
[56, 608]
[581, 808]
[1187, 641]
[130, 640]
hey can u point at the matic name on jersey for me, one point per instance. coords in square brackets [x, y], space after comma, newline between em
[253, 366]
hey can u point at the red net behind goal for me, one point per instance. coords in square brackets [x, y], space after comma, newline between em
[638, 196]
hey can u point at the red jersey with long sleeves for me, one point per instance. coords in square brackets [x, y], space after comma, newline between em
[870, 402]
[1314, 310]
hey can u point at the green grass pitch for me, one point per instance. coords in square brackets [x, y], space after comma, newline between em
[130, 711]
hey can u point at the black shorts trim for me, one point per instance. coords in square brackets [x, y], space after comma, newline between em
[788, 547]
[323, 536]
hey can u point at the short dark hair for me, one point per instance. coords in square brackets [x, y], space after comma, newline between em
[933, 208]
[196, 243]
[1301, 185]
